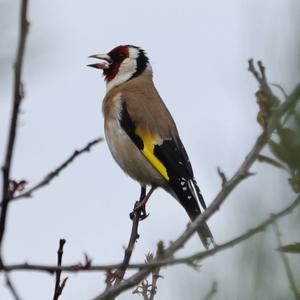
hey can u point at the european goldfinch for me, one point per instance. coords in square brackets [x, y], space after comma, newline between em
[141, 133]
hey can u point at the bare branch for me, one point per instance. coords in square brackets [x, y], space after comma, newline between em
[11, 287]
[49, 177]
[143, 289]
[17, 98]
[286, 264]
[155, 272]
[128, 251]
[223, 176]
[51, 269]
[160, 262]
[155, 277]
[136, 216]
[59, 286]
[260, 76]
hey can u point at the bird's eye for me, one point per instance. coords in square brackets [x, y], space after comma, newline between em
[121, 56]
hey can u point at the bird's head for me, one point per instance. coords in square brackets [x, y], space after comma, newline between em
[121, 64]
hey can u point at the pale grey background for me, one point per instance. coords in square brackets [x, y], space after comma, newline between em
[199, 52]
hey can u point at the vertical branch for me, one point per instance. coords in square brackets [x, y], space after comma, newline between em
[17, 98]
[59, 287]
[155, 277]
[155, 272]
[286, 263]
[136, 215]
[128, 251]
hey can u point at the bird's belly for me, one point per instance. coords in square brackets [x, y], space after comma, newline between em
[129, 157]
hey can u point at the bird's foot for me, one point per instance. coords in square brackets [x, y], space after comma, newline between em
[140, 210]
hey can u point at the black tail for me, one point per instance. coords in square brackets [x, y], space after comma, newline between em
[190, 198]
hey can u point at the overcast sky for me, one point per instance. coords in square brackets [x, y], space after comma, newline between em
[199, 52]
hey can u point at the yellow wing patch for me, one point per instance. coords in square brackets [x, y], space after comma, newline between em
[150, 140]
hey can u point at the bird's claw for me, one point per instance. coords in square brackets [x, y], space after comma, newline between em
[143, 215]
[141, 209]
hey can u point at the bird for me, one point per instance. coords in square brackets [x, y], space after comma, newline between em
[141, 133]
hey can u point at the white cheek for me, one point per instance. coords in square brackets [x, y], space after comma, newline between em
[126, 70]
[127, 67]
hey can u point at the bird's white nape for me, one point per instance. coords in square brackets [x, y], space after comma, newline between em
[133, 52]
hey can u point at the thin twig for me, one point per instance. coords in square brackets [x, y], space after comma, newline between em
[155, 277]
[260, 76]
[223, 176]
[59, 286]
[133, 237]
[213, 290]
[119, 274]
[155, 272]
[286, 264]
[162, 261]
[143, 289]
[11, 287]
[128, 251]
[17, 98]
[49, 177]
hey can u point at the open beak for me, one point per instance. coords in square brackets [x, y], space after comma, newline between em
[102, 65]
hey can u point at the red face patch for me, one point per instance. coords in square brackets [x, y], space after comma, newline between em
[117, 56]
